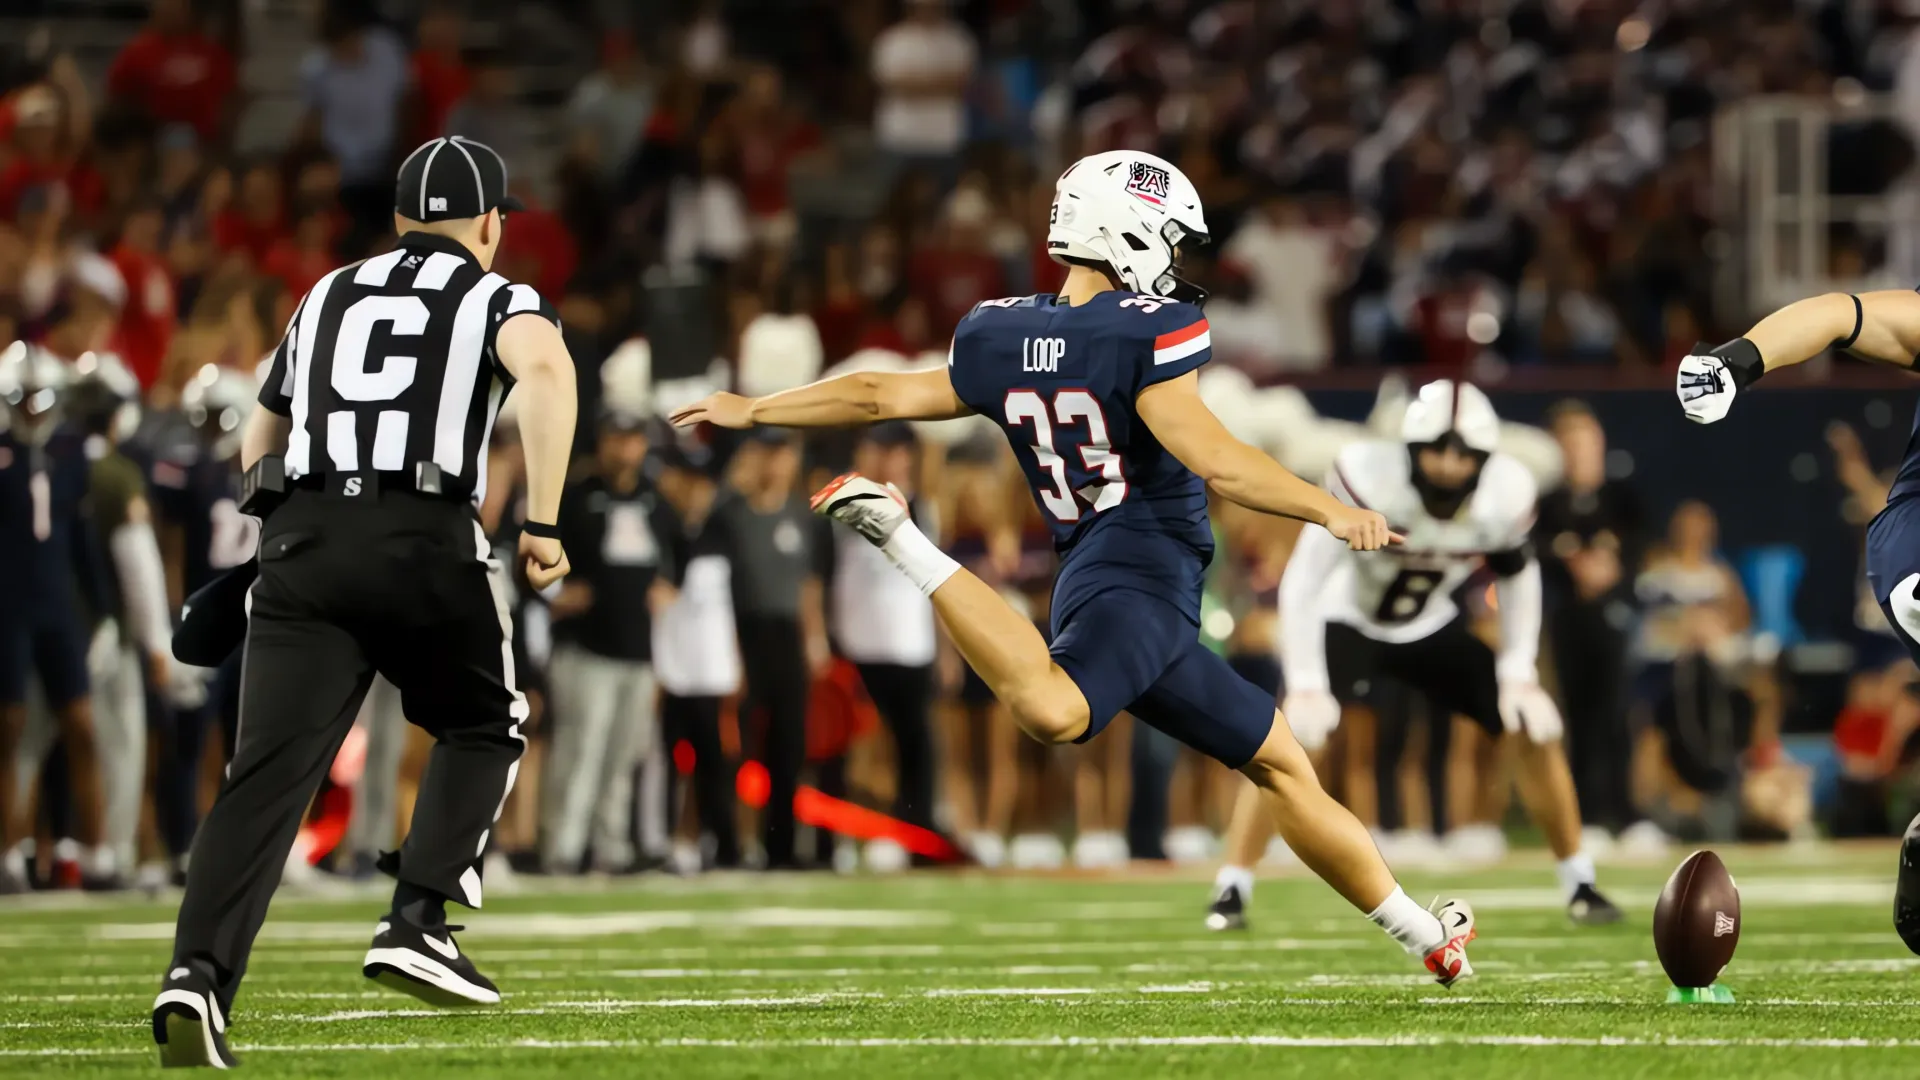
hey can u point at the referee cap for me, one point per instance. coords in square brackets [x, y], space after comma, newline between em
[451, 178]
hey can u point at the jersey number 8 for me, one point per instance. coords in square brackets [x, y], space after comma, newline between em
[1109, 487]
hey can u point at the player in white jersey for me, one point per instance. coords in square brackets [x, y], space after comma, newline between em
[1349, 617]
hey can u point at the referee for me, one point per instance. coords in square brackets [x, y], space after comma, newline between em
[378, 403]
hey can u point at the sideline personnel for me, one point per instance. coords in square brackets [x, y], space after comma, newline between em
[378, 403]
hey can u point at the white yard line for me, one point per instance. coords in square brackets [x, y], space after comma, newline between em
[1044, 1042]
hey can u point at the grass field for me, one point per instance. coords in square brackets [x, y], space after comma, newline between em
[976, 975]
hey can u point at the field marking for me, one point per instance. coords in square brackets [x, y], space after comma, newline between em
[1303, 1042]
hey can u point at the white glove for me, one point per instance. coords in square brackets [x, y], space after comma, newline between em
[1313, 715]
[187, 685]
[1706, 387]
[1527, 708]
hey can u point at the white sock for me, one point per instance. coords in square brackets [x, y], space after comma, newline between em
[1416, 929]
[104, 861]
[924, 564]
[1234, 877]
[1574, 871]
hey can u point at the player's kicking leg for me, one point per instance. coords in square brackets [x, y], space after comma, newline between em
[1012, 658]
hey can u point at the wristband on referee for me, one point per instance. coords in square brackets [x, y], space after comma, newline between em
[1742, 358]
[541, 529]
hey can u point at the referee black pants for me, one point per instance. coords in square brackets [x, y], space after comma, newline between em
[1590, 657]
[399, 584]
[773, 654]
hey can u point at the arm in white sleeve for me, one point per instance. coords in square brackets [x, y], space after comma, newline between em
[1520, 601]
[143, 583]
[1303, 621]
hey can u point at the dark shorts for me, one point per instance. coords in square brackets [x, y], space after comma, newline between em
[1893, 569]
[1453, 668]
[49, 642]
[1129, 651]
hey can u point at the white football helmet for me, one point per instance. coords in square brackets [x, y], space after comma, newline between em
[33, 384]
[1448, 413]
[106, 392]
[1447, 408]
[1130, 212]
[217, 402]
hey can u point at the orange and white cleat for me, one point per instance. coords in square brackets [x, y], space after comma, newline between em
[1449, 962]
[872, 509]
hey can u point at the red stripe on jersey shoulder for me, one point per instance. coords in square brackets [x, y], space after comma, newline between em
[1185, 333]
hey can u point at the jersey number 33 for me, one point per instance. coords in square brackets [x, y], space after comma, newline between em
[1073, 417]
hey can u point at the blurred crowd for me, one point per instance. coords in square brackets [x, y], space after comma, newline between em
[743, 194]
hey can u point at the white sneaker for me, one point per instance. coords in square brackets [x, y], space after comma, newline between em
[1596, 842]
[1643, 840]
[1476, 845]
[1416, 848]
[1279, 854]
[498, 873]
[1101, 850]
[988, 849]
[885, 856]
[1449, 962]
[1190, 844]
[871, 509]
[1036, 851]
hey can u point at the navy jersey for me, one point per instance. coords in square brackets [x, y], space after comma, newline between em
[200, 494]
[1907, 482]
[1061, 381]
[43, 546]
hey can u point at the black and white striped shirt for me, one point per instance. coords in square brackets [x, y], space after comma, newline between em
[390, 362]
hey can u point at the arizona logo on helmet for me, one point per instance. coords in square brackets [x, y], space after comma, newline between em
[1148, 181]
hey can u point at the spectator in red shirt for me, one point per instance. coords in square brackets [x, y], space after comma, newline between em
[957, 270]
[440, 76]
[172, 71]
[146, 320]
[257, 221]
[535, 247]
[298, 261]
[52, 122]
[768, 134]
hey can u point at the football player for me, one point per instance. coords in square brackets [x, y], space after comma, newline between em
[1350, 616]
[1096, 390]
[1883, 327]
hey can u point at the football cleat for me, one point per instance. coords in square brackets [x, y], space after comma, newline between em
[1589, 908]
[189, 1024]
[872, 509]
[1228, 910]
[1449, 962]
[426, 964]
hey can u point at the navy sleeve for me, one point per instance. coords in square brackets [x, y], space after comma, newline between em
[1174, 339]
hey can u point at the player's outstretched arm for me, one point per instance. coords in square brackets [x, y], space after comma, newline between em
[1184, 425]
[1879, 326]
[864, 397]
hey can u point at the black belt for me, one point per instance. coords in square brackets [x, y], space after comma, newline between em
[425, 479]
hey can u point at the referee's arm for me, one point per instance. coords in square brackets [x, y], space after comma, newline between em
[532, 351]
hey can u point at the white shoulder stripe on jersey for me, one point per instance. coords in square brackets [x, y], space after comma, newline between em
[433, 273]
[1906, 606]
[1202, 340]
[375, 270]
[524, 298]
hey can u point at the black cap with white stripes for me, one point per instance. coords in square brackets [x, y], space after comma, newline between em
[452, 178]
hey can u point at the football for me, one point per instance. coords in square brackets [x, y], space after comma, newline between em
[1697, 922]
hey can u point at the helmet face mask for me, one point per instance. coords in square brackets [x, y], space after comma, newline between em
[1450, 430]
[1129, 215]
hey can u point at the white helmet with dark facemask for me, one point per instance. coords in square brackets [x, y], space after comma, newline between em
[33, 389]
[1129, 213]
[217, 402]
[1449, 413]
